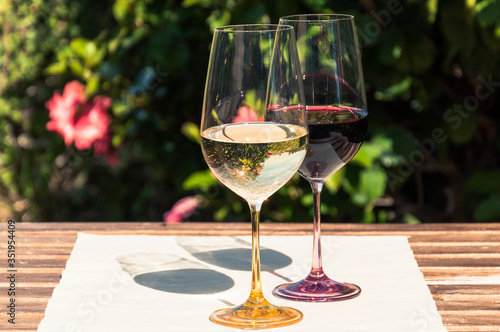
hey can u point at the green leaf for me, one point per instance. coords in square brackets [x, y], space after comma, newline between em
[120, 109]
[489, 209]
[114, 43]
[372, 184]
[76, 67]
[255, 103]
[368, 217]
[488, 12]
[57, 68]
[88, 51]
[164, 40]
[92, 85]
[237, 206]
[201, 3]
[470, 4]
[481, 62]
[395, 90]
[79, 45]
[323, 208]
[222, 213]
[409, 218]
[367, 154]
[396, 144]
[122, 9]
[83, 47]
[484, 182]
[202, 180]
[98, 57]
[391, 45]
[191, 131]
[218, 18]
[432, 9]
[383, 141]
[316, 4]
[456, 24]
[8, 179]
[417, 55]
[307, 199]
[461, 131]
[334, 182]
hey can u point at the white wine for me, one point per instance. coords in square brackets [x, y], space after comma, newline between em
[254, 159]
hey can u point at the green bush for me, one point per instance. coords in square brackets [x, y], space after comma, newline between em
[432, 75]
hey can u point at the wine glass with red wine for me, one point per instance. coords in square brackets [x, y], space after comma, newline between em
[336, 108]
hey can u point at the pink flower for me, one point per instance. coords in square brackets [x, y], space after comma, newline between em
[77, 120]
[246, 114]
[181, 210]
[103, 148]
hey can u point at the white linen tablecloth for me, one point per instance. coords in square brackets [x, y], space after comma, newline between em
[130, 283]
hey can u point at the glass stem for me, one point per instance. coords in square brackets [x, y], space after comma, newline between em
[256, 296]
[317, 265]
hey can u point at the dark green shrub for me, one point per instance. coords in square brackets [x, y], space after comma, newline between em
[432, 79]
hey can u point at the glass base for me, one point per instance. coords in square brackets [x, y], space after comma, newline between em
[251, 317]
[317, 290]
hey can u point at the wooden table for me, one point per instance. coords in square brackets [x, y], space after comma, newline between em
[460, 262]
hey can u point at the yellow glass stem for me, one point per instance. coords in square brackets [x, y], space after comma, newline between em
[256, 296]
[256, 312]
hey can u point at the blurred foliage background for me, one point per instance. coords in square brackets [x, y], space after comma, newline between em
[432, 75]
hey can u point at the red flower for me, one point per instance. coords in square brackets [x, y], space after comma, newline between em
[76, 119]
[103, 148]
[84, 123]
[181, 210]
[246, 114]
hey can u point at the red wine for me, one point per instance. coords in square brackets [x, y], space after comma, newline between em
[335, 136]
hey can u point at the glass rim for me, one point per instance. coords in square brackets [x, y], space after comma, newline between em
[317, 17]
[252, 28]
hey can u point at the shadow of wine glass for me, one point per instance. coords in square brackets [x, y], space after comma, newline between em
[186, 281]
[229, 254]
[241, 259]
[171, 273]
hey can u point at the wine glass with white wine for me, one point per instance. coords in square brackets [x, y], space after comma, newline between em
[254, 136]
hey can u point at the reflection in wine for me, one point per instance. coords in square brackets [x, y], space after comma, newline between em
[254, 159]
[335, 136]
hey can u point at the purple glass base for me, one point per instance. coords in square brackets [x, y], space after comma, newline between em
[318, 290]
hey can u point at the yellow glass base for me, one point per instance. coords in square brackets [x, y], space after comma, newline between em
[252, 317]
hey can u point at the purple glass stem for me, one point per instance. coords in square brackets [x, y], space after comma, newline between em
[317, 286]
[317, 272]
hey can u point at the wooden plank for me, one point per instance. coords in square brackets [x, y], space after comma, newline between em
[32, 292]
[481, 328]
[470, 256]
[470, 317]
[44, 250]
[460, 270]
[458, 262]
[455, 248]
[298, 227]
[22, 325]
[453, 275]
[461, 297]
